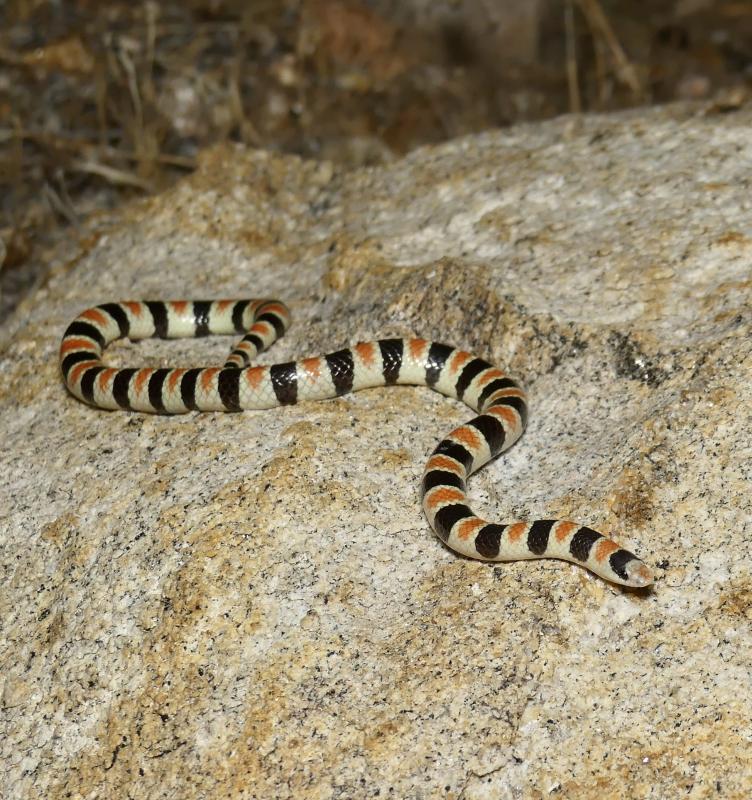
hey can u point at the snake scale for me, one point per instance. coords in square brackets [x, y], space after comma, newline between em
[499, 402]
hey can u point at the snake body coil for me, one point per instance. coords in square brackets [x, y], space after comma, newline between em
[499, 401]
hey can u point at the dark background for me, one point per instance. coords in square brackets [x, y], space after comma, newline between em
[101, 100]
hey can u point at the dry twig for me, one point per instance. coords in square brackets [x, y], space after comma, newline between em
[602, 31]
[573, 86]
[112, 174]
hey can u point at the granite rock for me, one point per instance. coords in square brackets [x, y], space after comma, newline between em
[253, 606]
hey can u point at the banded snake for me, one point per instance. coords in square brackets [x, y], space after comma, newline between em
[497, 399]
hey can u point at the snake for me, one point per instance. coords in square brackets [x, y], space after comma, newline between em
[499, 401]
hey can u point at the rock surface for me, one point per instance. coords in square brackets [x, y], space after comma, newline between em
[252, 606]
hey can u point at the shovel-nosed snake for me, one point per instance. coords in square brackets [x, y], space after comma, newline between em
[499, 401]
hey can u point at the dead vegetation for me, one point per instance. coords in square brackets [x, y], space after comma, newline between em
[103, 99]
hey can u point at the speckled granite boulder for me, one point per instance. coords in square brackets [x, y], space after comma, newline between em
[252, 606]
